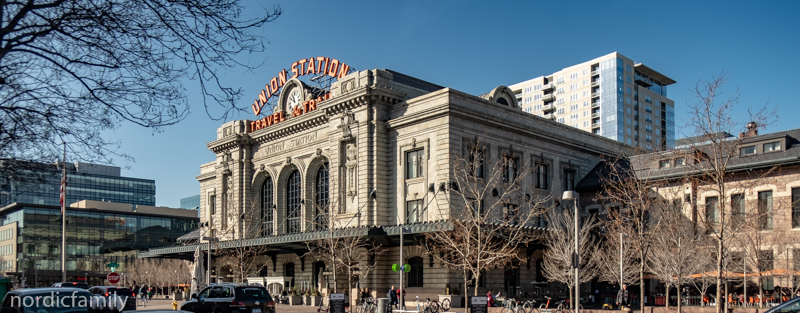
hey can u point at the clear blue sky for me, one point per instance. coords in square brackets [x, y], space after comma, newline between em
[475, 46]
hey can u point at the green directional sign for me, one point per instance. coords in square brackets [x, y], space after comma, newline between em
[407, 268]
[394, 267]
[113, 266]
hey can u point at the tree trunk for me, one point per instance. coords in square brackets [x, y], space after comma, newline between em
[467, 306]
[571, 295]
[760, 290]
[679, 293]
[666, 293]
[718, 307]
[350, 289]
[641, 285]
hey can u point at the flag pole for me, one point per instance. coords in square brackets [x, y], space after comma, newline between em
[64, 216]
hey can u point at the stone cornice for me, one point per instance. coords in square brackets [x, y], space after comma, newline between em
[206, 176]
[228, 142]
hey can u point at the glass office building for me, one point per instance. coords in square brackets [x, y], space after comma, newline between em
[84, 182]
[192, 202]
[97, 233]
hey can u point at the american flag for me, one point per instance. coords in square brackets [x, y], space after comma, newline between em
[63, 195]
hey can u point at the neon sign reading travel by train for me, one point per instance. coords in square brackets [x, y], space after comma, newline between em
[319, 65]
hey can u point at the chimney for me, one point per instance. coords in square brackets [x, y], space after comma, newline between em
[752, 130]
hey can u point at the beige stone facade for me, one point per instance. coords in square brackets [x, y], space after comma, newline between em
[374, 126]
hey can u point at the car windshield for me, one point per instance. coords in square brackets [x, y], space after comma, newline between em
[252, 293]
[792, 306]
[52, 302]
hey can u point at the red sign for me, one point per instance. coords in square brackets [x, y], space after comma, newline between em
[317, 65]
[113, 278]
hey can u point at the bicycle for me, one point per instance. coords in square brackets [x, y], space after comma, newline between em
[529, 306]
[512, 306]
[428, 306]
[445, 305]
[546, 305]
[367, 306]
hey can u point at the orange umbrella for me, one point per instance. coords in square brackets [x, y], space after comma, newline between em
[714, 274]
[780, 272]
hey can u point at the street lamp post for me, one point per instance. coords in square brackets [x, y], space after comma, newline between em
[22, 266]
[572, 195]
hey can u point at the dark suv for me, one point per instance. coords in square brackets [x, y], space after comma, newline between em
[231, 298]
[71, 284]
[115, 294]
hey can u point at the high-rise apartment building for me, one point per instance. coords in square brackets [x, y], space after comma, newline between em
[610, 96]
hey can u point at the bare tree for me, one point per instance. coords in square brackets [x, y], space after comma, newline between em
[630, 194]
[676, 245]
[706, 276]
[755, 234]
[715, 152]
[70, 70]
[608, 260]
[489, 215]
[242, 257]
[347, 250]
[560, 242]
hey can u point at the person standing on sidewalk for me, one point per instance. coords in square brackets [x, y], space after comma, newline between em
[392, 295]
[624, 299]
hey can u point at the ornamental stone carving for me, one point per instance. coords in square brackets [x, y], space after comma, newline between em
[351, 154]
[348, 119]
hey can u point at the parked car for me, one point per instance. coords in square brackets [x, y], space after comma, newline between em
[113, 295]
[71, 284]
[66, 299]
[231, 298]
[791, 306]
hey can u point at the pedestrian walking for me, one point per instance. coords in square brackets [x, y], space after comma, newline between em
[624, 299]
[392, 295]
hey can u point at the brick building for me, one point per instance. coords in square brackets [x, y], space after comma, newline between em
[758, 205]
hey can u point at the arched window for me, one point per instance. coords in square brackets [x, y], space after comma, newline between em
[267, 203]
[322, 198]
[415, 276]
[293, 202]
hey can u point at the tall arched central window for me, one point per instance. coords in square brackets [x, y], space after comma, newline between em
[267, 201]
[293, 198]
[322, 198]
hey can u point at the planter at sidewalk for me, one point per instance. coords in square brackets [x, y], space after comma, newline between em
[295, 300]
[315, 300]
[455, 301]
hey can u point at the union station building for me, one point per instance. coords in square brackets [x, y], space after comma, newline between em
[373, 154]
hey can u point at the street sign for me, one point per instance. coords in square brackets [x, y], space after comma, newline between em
[113, 266]
[337, 303]
[113, 278]
[479, 304]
